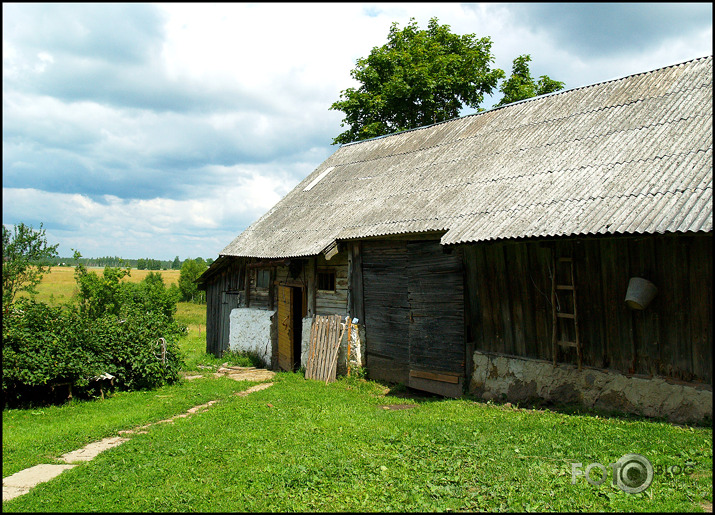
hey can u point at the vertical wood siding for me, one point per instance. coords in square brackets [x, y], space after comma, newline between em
[328, 303]
[223, 291]
[414, 314]
[509, 309]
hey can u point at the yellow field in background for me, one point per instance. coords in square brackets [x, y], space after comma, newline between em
[59, 285]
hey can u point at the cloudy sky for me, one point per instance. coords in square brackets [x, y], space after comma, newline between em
[143, 130]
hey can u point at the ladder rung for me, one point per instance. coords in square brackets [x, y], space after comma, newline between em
[567, 344]
[564, 287]
[565, 315]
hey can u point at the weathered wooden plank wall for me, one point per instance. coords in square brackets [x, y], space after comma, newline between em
[329, 303]
[508, 302]
[260, 297]
[213, 301]
[222, 294]
[700, 270]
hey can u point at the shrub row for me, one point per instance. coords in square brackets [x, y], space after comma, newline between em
[116, 328]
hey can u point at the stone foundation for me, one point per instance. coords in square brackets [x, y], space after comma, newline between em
[515, 379]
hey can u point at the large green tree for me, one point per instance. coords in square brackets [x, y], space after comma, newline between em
[419, 77]
[521, 85]
[191, 269]
[26, 258]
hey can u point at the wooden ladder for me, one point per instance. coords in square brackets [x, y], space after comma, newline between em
[558, 316]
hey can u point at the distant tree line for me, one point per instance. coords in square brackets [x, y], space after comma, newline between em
[116, 261]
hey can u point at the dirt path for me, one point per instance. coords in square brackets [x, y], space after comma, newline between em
[22, 482]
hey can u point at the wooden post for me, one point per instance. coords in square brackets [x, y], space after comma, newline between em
[575, 315]
[347, 364]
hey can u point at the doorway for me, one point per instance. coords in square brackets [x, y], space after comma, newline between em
[290, 327]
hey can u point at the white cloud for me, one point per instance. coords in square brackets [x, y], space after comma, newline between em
[148, 130]
[44, 59]
[143, 223]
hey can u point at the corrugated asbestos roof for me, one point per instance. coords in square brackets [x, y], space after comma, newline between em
[632, 155]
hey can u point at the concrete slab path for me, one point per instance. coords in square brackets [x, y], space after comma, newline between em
[21, 482]
[90, 451]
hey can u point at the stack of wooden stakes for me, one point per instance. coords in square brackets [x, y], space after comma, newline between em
[326, 334]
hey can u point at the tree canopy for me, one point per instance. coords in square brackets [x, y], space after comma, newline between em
[419, 77]
[191, 269]
[26, 255]
[422, 77]
[521, 85]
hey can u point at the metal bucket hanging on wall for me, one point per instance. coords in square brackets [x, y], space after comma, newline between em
[640, 293]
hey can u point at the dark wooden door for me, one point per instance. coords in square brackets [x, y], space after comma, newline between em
[436, 299]
[387, 310]
[414, 315]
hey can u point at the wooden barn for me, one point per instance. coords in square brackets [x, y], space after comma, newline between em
[494, 253]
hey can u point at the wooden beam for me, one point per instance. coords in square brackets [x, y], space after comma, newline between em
[446, 378]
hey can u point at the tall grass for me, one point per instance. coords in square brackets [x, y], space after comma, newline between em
[58, 286]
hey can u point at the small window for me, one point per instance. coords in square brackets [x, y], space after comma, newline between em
[263, 277]
[326, 281]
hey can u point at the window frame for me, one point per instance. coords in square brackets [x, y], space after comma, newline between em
[325, 272]
[263, 275]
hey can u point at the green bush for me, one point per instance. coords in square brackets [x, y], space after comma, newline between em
[131, 350]
[191, 269]
[43, 347]
[116, 327]
[152, 295]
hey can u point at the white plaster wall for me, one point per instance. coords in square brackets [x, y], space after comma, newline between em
[511, 378]
[250, 331]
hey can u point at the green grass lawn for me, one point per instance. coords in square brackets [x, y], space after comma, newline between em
[34, 436]
[302, 445]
